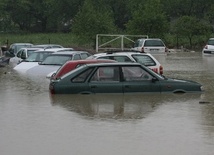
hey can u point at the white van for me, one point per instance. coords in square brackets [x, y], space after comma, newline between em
[151, 45]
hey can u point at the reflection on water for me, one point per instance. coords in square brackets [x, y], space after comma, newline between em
[130, 106]
[33, 122]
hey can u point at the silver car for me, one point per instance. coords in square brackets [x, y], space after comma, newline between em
[209, 47]
[151, 45]
[23, 53]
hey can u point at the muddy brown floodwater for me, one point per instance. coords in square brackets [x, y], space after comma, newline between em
[34, 123]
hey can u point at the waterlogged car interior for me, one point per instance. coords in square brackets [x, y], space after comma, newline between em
[106, 74]
[135, 73]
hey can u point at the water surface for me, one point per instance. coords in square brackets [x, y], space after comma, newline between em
[36, 123]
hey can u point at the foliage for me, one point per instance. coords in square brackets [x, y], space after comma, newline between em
[65, 39]
[92, 20]
[86, 18]
[149, 19]
[184, 27]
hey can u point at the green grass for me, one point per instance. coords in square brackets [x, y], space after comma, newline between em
[64, 39]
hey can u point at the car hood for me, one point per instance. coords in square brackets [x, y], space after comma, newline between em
[42, 70]
[24, 66]
[182, 81]
[50, 74]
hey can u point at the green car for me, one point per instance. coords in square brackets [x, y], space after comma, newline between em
[119, 78]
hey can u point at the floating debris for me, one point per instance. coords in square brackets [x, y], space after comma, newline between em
[204, 102]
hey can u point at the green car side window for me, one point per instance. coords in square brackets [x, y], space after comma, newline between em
[135, 73]
[82, 77]
[106, 74]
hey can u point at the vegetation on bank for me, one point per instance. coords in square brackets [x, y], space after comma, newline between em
[179, 23]
[64, 39]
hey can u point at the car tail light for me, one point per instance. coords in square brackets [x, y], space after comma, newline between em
[142, 50]
[161, 70]
[155, 70]
[206, 47]
[51, 88]
[166, 49]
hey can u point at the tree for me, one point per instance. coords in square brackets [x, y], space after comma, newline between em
[149, 19]
[188, 26]
[93, 19]
[121, 12]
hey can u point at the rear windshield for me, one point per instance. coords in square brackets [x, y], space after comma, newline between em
[118, 58]
[56, 59]
[153, 43]
[144, 60]
[211, 42]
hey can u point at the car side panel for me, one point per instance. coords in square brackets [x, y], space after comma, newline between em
[141, 86]
[106, 87]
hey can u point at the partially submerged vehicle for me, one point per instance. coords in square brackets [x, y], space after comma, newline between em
[119, 78]
[209, 47]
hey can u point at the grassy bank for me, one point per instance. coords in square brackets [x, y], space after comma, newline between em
[64, 39]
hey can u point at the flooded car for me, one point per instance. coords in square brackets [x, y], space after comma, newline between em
[71, 65]
[145, 59]
[119, 78]
[209, 47]
[54, 61]
[36, 57]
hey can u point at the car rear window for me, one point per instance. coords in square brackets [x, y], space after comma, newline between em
[118, 58]
[144, 59]
[153, 43]
[210, 42]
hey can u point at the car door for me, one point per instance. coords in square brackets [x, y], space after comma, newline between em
[106, 80]
[137, 79]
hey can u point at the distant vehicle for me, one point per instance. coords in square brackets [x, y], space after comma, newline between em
[150, 45]
[54, 61]
[15, 47]
[47, 46]
[23, 53]
[209, 47]
[131, 56]
[119, 78]
[71, 65]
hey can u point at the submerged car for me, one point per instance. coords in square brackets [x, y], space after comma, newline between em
[150, 45]
[131, 56]
[119, 78]
[47, 46]
[54, 61]
[36, 57]
[209, 47]
[23, 53]
[15, 47]
[71, 65]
